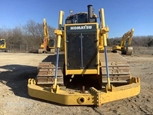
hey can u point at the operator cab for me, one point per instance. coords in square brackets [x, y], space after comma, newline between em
[79, 18]
[82, 17]
[51, 42]
[1, 42]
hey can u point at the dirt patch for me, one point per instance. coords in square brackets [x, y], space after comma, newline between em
[143, 51]
[15, 69]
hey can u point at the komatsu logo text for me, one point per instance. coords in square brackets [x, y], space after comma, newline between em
[80, 27]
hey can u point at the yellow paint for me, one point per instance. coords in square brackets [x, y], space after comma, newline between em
[2, 44]
[93, 97]
[45, 46]
[81, 71]
[127, 37]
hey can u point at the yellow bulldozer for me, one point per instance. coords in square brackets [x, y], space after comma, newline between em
[48, 45]
[85, 76]
[124, 45]
[3, 45]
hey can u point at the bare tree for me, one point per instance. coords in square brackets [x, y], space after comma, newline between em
[30, 36]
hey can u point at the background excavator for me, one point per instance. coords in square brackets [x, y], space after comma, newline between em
[48, 44]
[124, 45]
[3, 45]
[84, 76]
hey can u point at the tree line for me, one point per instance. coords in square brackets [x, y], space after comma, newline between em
[143, 41]
[30, 36]
[25, 38]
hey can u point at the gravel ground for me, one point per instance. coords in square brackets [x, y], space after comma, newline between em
[16, 68]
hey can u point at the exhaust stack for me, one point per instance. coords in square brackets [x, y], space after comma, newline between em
[90, 12]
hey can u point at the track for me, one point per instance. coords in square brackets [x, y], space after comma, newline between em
[118, 70]
[46, 73]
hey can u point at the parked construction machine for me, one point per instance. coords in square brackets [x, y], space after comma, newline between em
[85, 76]
[3, 45]
[48, 44]
[124, 45]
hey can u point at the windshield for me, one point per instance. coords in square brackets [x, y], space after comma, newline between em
[1, 42]
[82, 18]
[77, 18]
[51, 43]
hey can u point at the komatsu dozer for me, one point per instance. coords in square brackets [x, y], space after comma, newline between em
[86, 76]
